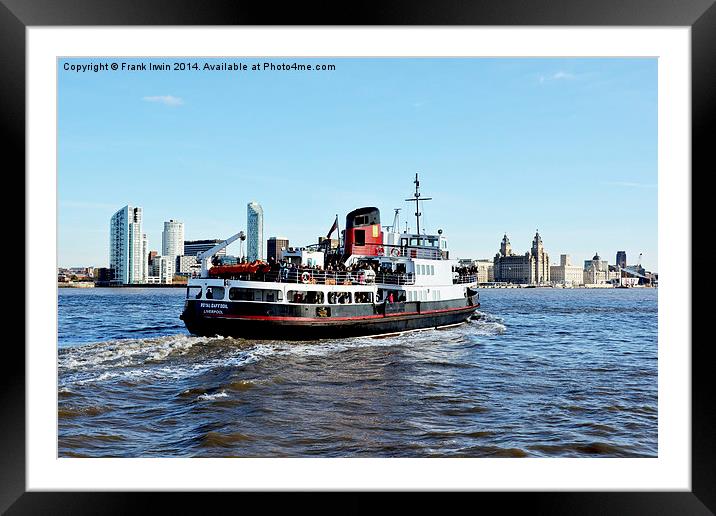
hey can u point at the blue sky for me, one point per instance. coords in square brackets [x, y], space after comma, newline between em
[566, 146]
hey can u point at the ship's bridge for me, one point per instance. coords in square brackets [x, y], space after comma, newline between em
[405, 245]
[412, 245]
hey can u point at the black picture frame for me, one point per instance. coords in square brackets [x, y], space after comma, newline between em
[700, 15]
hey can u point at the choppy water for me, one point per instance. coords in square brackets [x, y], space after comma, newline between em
[544, 372]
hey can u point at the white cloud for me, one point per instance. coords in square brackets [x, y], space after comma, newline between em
[167, 100]
[561, 75]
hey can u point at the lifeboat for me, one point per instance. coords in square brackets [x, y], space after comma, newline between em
[239, 268]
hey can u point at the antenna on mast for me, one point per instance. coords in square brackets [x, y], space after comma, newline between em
[416, 199]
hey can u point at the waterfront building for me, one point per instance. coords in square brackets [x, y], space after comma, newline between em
[173, 238]
[596, 271]
[255, 230]
[187, 265]
[539, 269]
[275, 247]
[145, 262]
[530, 268]
[565, 273]
[621, 259]
[103, 276]
[163, 269]
[194, 247]
[614, 274]
[127, 247]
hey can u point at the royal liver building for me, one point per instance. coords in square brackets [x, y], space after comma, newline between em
[530, 268]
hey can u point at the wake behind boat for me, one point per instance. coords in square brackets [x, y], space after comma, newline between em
[379, 281]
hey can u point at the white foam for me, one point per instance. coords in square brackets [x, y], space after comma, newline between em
[125, 352]
[210, 397]
[154, 359]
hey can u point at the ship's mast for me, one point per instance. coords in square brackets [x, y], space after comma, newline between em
[417, 200]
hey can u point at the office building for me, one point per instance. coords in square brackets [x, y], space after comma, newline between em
[188, 265]
[173, 238]
[275, 247]
[596, 271]
[530, 268]
[621, 259]
[255, 231]
[127, 247]
[565, 273]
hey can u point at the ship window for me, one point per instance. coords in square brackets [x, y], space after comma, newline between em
[339, 298]
[251, 294]
[271, 296]
[193, 292]
[215, 292]
[364, 297]
[311, 297]
[359, 236]
[432, 270]
[360, 220]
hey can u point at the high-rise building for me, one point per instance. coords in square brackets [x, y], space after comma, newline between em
[621, 259]
[275, 247]
[173, 239]
[127, 247]
[145, 262]
[255, 227]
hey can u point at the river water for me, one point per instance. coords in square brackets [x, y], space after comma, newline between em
[542, 373]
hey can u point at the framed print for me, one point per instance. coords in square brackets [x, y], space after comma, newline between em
[312, 344]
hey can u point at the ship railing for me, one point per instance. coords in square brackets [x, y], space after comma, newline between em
[323, 277]
[401, 251]
[464, 278]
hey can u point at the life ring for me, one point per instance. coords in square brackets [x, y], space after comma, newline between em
[395, 252]
[379, 251]
[305, 277]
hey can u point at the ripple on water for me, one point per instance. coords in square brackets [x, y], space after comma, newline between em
[591, 449]
[538, 373]
[223, 440]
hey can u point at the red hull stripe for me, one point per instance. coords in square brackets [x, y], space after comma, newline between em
[355, 318]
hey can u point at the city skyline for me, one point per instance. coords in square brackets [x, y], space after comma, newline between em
[505, 248]
[564, 145]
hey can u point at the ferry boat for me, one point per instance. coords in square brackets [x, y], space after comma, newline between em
[378, 282]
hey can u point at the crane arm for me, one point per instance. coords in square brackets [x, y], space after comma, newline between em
[206, 255]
